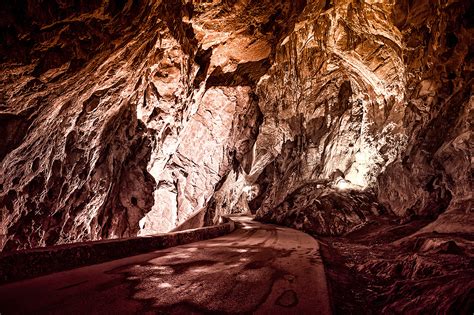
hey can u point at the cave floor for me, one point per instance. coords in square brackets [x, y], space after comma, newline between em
[256, 269]
[387, 267]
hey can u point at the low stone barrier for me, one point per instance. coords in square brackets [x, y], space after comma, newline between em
[36, 262]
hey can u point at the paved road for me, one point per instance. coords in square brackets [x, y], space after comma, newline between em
[262, 269]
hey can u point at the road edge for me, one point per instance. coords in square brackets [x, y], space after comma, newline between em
[27, 264]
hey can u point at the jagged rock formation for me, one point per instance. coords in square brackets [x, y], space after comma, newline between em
[382, 268]
[69, 104]
[355, 99]
[122, 118]
[252, 101]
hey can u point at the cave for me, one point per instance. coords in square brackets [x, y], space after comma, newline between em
[236, 156]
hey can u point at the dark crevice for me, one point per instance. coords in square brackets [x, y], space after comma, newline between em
[246, 74]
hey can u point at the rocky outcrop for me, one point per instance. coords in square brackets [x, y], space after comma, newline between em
[324, 212]
[434, 174]
[382, 268]
[130, 117]
[74, 163]
[332, 102]
[358, 100]
[192, 156]
[121, 117]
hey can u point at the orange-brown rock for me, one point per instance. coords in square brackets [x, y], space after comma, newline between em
[123, 118]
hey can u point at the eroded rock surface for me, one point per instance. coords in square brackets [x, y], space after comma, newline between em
[120, 118]
[381, 268]
[123, 118]
[386, 89]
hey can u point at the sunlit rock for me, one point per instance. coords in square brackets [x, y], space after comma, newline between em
[126, 118]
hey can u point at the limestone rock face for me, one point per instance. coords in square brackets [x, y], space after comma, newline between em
[324, 212]
[119, 118]
[372, 95]
[124, 118]
[340, 118]
[434, 174]
[75, 154]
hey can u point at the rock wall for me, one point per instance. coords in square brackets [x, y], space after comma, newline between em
[371, 99]
[434, 175]
[194, 154]
[122, 118]
[75, 165]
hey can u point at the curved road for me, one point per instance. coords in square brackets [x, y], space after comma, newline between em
[261, 269]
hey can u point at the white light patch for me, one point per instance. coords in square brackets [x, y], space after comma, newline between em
[342, 184]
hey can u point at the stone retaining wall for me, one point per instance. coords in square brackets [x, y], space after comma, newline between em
[26, 264]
